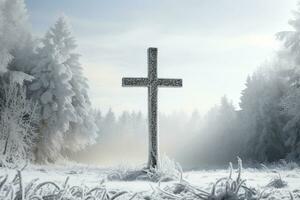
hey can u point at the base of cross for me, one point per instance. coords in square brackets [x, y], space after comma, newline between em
[140, 175]
[153, 156]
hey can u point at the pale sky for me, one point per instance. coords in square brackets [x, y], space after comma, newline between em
[211, 44]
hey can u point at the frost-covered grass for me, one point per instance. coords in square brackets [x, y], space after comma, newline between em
[223, 189]
[168, 170]
[277, 182]
[16, 189]
[88, 182]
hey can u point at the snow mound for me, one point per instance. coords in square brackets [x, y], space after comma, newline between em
[167, 170]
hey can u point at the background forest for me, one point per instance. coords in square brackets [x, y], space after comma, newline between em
[46, 114]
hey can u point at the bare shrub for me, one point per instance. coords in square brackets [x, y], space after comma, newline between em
[17, 119]
[277, 182]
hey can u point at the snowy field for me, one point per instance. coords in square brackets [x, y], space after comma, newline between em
[92, 177]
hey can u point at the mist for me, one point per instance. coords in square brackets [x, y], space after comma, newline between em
[124, 139]
[194, 140]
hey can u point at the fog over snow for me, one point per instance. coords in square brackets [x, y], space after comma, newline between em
[212, 44]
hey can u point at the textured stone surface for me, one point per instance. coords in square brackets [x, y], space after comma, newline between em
[152, 82]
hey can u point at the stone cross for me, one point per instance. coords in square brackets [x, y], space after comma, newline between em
[152, 83]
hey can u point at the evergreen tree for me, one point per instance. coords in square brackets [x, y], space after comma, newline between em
[124, 124]
[53, 90]
[261, 117]
[98, 120]
[109, 128]
[291, 104]
[84, 130]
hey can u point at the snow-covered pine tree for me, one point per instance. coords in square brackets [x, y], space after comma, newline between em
[67, 120]
[218, 138]
[124, 124]
[53, 90]
[224, 128]
[109, 125]
[261, 119]
[84, 131]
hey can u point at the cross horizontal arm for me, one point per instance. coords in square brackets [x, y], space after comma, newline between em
[165, 82]
[135, 82]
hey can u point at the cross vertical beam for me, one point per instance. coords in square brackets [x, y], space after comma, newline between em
[152, 108]
[152, 83]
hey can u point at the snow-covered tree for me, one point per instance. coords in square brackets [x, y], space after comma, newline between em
[53, 90]
[67, 122]
[84, 130]
[124, 127]
[218, 139]
[139, 124]
[291, 104]
[222, 133]
[13, 29]
[109, 124]
[261, 118]
[18, 120]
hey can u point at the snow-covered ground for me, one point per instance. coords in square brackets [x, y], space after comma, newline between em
[90, 176]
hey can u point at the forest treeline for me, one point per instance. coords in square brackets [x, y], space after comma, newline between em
[46, 113]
